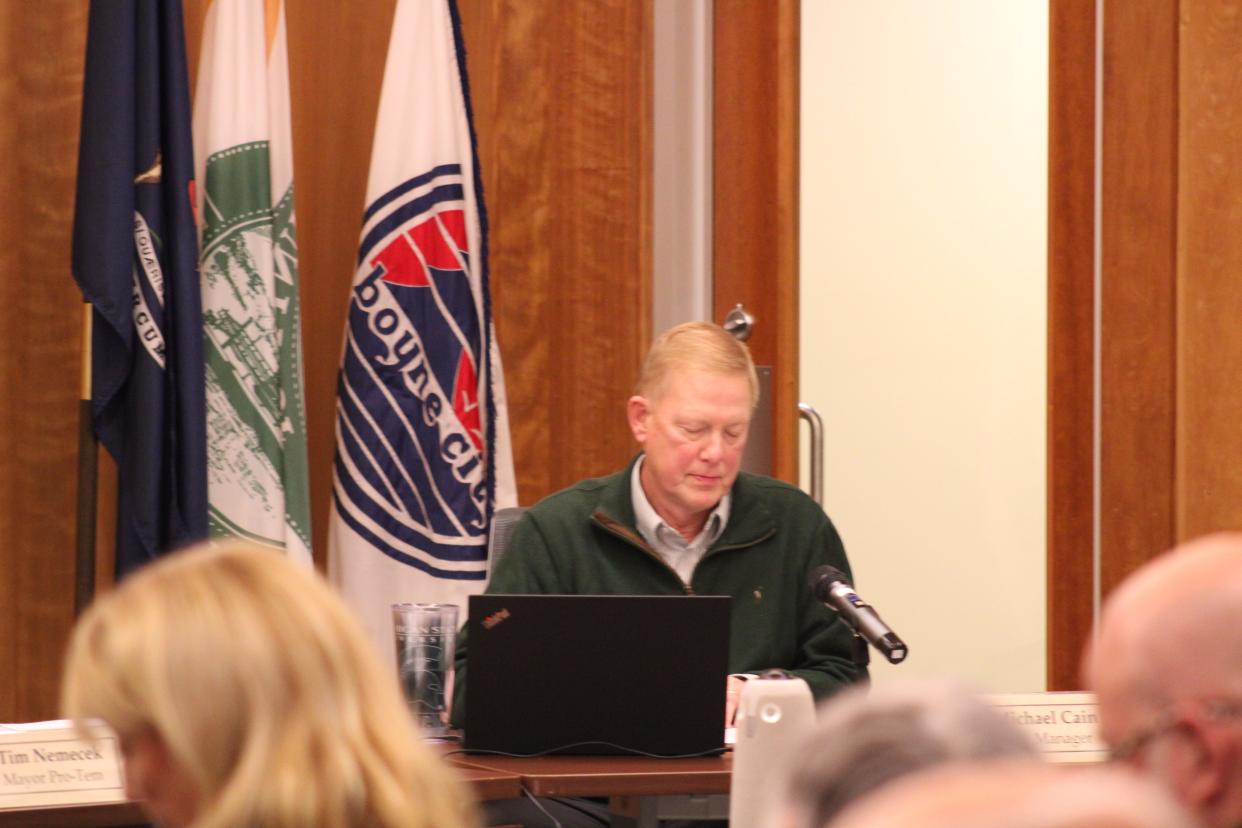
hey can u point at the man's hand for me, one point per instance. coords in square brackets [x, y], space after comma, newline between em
[733, 694]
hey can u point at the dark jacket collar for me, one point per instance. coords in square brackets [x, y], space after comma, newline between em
[750, 521]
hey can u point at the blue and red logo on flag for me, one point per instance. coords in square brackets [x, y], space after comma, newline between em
[411, 467]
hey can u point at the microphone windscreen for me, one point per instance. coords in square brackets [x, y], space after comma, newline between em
[826, 575]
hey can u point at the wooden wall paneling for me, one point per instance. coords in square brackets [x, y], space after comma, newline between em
[193, 12]
[755, 200]
[1209, 260]
[40, 343]
[1139, 247]
[336, 65]
[562, 97]
[1071, 304]
[105, 520]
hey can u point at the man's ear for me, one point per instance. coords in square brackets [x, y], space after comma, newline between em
[637, 413]
[1200, 764]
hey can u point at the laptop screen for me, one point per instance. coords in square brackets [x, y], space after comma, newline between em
[596, 674]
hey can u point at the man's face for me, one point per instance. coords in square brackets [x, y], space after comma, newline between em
[1148, 738]
[1109, 671]
[692, 431]
[1121, 718]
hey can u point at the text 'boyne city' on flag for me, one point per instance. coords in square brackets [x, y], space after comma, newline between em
[134, 257]
[422, 453]
[257, 484]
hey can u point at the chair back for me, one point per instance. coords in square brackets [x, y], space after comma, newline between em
[504, 521]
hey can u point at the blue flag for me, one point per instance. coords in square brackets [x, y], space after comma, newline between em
[135, 253]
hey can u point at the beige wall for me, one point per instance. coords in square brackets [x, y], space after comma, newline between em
[923, 283]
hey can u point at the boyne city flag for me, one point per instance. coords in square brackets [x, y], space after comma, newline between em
[134, 256]
[256, 422]
[422, 453]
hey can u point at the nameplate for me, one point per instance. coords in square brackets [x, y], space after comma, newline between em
[1065, 726]
[45, 763]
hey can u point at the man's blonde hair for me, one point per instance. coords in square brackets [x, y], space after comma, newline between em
[267, 693]
[696, 345]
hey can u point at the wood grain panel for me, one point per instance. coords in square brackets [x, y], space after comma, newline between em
[755, 199]
[1071, 304]
[562, 106]
[562, 96]
[1209, 261]
[40, 314]
[336, 63]
[1138, 312]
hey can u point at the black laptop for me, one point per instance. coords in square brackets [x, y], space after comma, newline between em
[596, 674]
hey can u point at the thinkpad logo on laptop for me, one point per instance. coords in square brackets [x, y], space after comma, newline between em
[495, 618]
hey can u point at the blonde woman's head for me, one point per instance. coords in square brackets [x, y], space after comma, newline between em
[259, 693]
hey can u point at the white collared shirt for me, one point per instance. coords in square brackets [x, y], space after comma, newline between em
[680, 554]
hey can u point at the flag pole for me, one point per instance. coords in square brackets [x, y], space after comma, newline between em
[88, 476]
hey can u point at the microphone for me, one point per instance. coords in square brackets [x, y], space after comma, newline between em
[832, 589]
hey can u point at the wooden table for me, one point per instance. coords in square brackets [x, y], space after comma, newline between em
[641, 791]
[489, 783]
[610, 775]
[104, 815]
[632, 783]
[484, 783]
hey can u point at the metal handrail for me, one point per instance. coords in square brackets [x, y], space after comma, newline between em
[816, 422]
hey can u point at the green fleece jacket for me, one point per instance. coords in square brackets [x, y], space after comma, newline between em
[584, 541]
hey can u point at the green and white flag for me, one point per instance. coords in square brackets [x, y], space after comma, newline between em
[257, 485]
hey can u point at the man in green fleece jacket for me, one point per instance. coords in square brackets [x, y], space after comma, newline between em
[682, 519]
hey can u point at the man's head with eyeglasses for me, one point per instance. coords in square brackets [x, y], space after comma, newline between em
[1167, 669]
[1015, 795]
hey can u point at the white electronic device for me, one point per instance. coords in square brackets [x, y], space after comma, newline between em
[775, 710]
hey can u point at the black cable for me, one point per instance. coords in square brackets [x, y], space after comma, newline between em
[539, 805]
[624, 751]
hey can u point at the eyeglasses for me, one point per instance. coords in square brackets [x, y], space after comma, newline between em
[1212, 711]
[1129, 747]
